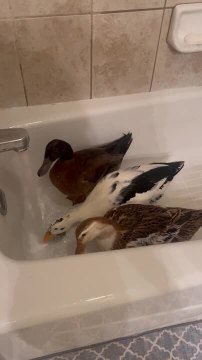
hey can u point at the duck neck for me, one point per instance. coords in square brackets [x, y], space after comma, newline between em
[75, 216]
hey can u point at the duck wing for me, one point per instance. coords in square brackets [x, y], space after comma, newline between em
[119, 146]
[141, 184]
[151, 183]
[147, 218]
[142, 224]
[97, 168]
[99, 161]
[187, 225]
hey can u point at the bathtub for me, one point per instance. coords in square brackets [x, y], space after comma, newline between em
[52, 301]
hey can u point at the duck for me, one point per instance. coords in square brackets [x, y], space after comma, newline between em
[136, 225]
[75, 174]
[141, 184]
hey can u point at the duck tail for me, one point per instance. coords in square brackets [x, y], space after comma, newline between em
[120, 146]
[173, 169]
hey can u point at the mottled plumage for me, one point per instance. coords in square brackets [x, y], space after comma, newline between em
[149, 224]
[135, 225]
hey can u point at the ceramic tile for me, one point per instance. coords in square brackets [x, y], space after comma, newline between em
[116, 5]
[170, 3]
[4, 9]
[175, 69]
[55, 58]
[11, 86]
[49, 7]
[124, 49]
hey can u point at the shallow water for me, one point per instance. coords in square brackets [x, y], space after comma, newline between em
[44, 204]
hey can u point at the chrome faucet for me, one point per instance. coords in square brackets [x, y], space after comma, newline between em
[16, 139]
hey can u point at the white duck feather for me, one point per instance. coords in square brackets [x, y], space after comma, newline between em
[142, 184]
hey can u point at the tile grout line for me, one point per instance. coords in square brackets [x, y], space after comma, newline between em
[30, 17]
[126, 11]
[91, 54]
[157, 50]
[82, 14]
[20, 67]
[17, 53]
[23, 82]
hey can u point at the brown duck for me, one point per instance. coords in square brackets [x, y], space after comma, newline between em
[135, 225]
[76, 174]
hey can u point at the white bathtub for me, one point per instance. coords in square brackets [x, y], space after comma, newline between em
[51, 305]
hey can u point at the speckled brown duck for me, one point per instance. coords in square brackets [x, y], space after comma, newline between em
[135, 225]
[75, 174]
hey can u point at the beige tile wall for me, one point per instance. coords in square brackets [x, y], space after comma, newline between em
[24, 8]
[62, 50]
[174, 69]
[121, 5]
[4, 9]
[170, 3]
[124, 49]
[55, 65]
[11, 85]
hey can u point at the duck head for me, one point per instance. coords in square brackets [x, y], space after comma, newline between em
[56, 149]
[61, 226]
[98, 229]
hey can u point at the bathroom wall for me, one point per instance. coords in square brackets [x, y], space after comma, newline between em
[62, 50]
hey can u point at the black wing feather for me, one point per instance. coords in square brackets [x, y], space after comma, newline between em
[148, 180]
[119, 146]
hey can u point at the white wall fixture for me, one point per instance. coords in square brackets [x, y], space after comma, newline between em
[185, 33]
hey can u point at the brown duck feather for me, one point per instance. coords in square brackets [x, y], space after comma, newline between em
[143, 225]
[77, 176]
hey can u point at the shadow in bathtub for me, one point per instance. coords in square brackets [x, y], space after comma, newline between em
[11, 224]
[23, 218]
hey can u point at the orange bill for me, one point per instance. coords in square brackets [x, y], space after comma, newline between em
[48, 236]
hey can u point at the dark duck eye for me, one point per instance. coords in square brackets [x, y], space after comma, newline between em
[58, 221]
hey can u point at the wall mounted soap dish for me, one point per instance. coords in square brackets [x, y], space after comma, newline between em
[185, 33]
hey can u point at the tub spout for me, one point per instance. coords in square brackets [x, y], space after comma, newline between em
[16, 139]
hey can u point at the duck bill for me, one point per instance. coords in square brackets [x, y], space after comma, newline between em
[80, 248]
[44, 167]
[48, 237]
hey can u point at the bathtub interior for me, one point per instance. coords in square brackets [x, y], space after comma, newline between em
[161, 133]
